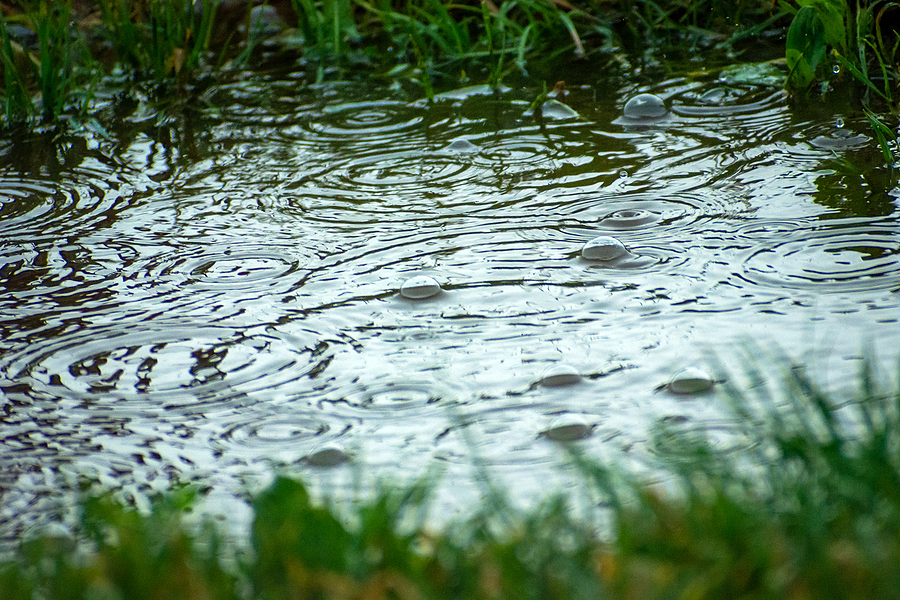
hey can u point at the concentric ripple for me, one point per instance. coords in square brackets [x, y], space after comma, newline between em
[387, 398]
[237, 269]
[841, 257]
[744, 113]
[264, 429]
[172, 364]
[20, 196]
[375, 121]
[89, 196]
[667, 219]
[521, 153]
[405, 170]
[263, 433]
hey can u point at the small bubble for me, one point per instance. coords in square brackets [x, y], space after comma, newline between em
[623, 174]
[603, 248]
[836, 69]
[420, 287]
[839, 123]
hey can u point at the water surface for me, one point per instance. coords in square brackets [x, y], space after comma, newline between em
[215, 297]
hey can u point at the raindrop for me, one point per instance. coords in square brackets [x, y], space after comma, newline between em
[645, 106]
[560, 375]
[421, 286]
[568, 428]
[836, 69]
[603, 248]
[692, 380]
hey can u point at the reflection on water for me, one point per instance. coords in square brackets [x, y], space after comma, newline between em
[216, 310]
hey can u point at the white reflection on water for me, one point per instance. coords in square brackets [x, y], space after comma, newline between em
[230, 316]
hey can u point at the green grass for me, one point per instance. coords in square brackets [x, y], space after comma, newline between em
[173, 43]
[808, 508]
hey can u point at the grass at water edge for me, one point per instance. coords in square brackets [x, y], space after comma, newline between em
[809, 508]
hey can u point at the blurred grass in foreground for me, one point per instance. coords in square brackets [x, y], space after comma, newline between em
[810, 508]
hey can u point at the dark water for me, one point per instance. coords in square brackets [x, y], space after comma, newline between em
[212, 296]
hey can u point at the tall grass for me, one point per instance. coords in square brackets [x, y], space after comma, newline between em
[50, 78]
[161, 40]
[808, 508]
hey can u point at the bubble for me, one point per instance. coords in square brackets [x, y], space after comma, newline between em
[839, 122]
[623, 174]
[419, 287]
[693, 380]
[560, 375]
[461, 146]
[645, 106]
[836, 69]
[603, 248]
[568, 428]
[554, 109]
[329, 455]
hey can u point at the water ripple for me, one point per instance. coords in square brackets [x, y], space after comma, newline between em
[386, 398]
[373, 122]
[844, 256]
[167, 364]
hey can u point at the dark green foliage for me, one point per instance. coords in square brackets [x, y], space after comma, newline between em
[58, 68]
[855, 36]
[805, 47]
[295, 543]
[121, 553]
[161, 40]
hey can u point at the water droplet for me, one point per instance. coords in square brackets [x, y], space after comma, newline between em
[836, 69]
[568, 428]
[560, 375]
[839, 122]
[693, 380]
[421, 286]
[623, 174]
[645, 106]
[329, 455]
[603, 248]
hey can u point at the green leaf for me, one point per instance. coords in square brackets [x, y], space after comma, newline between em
[288, 528]
[885, 136]
[832, 15]
[805, 47]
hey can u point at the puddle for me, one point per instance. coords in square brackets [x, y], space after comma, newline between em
[212, 310]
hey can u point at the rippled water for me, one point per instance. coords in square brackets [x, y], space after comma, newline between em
[215, 298]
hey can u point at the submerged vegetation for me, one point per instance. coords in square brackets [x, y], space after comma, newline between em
[807, 507]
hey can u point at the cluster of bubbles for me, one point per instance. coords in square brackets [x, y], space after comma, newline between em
[605, 251]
